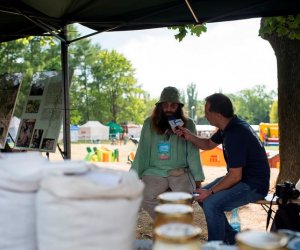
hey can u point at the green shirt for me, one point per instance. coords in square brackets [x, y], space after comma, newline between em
[181, 153]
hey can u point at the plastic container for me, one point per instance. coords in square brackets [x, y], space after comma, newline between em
[167, 213]
[177, 236]
[257, 240]
[175, 198]
[235, 221]
[105, 156]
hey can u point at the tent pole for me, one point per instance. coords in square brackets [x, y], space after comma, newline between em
[66, 103]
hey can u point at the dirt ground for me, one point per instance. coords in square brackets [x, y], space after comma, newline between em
[253, 216]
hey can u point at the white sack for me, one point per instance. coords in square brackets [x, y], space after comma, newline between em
[17, 220]
[20, 175]
[21, 171]
[67, 167]
[92, 211]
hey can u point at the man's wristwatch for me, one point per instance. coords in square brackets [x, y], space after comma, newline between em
[198, 184]
[211, 191]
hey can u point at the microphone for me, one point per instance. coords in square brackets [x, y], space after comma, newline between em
[175, 123]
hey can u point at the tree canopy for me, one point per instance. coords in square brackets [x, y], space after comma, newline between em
[103, 86]
[253, 105]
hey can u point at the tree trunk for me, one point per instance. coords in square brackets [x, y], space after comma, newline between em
[287, 52]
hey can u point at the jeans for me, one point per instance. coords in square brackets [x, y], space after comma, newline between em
[215, 205]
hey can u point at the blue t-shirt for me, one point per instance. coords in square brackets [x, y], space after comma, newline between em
[243, 148]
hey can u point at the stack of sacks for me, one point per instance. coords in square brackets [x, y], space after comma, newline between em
[95, 209]
[20, 175]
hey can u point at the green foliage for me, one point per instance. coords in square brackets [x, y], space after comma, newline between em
[103, 86]
[133, 110]
[150, 104]
[82, 56]
[274, 112]
[196, 30]
[253, 105]
[115, 87]
[288, 26]
[27, 56]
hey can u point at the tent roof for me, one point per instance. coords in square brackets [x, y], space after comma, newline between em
[205, 128]
[21, 18]
[131, 125]
[92, 124]
[114, 127]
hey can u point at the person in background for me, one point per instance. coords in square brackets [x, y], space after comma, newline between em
[248, 172]
[164, 161]
[125, 137]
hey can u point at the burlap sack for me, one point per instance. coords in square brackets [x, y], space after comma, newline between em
[94, 210]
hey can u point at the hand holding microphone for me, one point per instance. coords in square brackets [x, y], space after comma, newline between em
[175, 123]
[177, 126]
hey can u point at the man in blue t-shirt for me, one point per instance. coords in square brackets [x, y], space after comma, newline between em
[248, 172]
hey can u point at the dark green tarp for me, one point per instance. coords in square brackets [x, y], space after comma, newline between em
[114, 128]
[19, 18]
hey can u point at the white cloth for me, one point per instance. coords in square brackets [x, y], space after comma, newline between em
[90, 211]
[20, 175]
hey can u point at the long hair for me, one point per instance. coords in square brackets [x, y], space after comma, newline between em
[159, 120]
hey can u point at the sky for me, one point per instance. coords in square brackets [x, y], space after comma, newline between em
[229, 57]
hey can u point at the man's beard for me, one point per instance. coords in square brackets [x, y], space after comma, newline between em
[160, 119]
[164, 121]
[168, 114]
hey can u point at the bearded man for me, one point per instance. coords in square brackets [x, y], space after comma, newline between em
[164, 161]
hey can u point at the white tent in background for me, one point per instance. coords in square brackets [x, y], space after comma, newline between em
[205, 131]
[73, 133]
[93, 131]
[134, 130]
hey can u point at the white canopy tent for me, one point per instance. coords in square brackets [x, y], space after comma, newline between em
[134, 130]
[205, 131]
[93, 131]
[73, 133]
